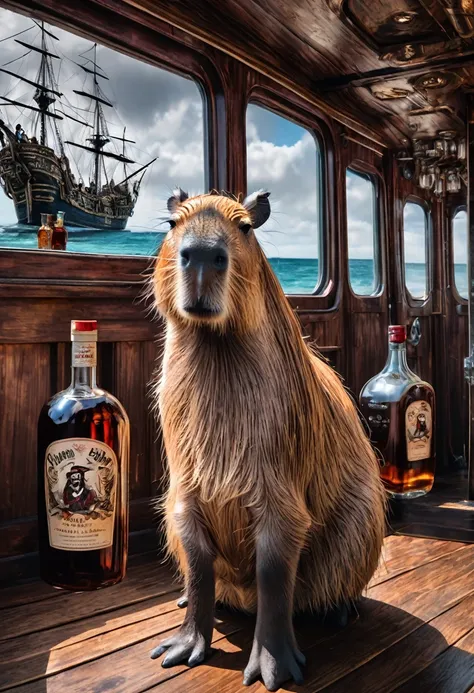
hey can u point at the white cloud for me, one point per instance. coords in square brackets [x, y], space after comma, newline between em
[164, 114]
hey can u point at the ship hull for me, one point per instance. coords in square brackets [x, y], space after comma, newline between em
[74, 216]
[38, 181]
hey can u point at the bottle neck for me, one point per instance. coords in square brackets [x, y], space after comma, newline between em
[83, 377]
[397, 359]
[84, 364]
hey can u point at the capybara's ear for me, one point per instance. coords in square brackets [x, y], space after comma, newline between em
[176, 199]
[259, 207]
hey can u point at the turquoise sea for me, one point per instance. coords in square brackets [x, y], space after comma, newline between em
[296, 275]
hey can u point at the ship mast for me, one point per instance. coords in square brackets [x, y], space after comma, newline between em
[99, 140]
[45, 83]
[43, 95]
[101, 136]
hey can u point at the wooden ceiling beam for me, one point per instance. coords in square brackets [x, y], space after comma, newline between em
[363, 79]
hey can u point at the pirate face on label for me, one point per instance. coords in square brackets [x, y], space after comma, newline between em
[77, 496]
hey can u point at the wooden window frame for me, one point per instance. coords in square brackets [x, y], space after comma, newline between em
[364, 170]
[50, 268]
[461, 300]
[425, 304]
[325, 296]
[322, 278]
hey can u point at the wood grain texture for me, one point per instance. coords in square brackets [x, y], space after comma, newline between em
[145, 582]
[410, 656]
[236, 51]
[24, 378]
[414, 632]
[401, 554]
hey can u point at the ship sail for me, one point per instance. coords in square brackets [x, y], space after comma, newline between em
[35, 171]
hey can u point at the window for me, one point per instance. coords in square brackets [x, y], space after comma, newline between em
[154, 113]
[415, 243]
[285, 159]
[362, 224]
[460, 252]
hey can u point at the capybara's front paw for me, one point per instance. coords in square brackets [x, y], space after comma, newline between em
[276, 660]
[189, 645]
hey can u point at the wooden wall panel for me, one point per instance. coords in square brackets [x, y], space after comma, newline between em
[368, 341]
[457, 389]
[41, 292]
[24, 386]
[133, 367]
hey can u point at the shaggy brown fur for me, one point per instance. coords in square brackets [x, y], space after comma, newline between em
[261, 436]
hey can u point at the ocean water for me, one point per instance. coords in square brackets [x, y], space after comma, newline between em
[296, 275]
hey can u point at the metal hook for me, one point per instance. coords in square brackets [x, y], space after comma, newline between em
[415, 333]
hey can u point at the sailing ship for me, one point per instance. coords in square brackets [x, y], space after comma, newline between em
[35, 171]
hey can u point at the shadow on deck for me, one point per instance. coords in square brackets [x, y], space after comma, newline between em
[414, 633]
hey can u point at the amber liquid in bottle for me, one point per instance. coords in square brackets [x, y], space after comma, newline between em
[400, 411]
[59, 236]
[83, 456]
[44, 234]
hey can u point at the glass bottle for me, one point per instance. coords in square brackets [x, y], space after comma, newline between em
[44, 234]
[399, 408]
[59, 237]
[83, 459]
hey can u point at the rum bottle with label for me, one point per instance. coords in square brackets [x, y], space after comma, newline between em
[59, 237]
[83, 458]
[399, 408]
[44, 234]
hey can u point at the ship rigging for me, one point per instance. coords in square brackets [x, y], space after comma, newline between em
[35, 171]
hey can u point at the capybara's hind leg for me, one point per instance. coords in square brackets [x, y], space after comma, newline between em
[192, 642]
[275, 655]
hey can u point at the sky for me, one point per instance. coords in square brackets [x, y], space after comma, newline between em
[164, 114]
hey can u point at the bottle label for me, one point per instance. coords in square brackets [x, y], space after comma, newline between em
[80, 484]
[84, 354]
[418, 430]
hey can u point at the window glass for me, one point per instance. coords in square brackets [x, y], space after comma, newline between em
[361, 201]
[115, 115]
[285, 159]
[415, 239]
[460, 252]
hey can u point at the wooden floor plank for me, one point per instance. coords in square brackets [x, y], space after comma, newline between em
[27, 593]
[145, 582]
[420, 608]
[437, 531]
[423, 594]
[402, 553]
[37, 590]
[451, 672]
[130, 670]
[408, 657]
[31, 656]
[400, 607]
[420, 592]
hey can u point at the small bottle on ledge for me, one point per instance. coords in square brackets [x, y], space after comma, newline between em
[83, 457]
[59, 237]
[399, 408]
[44, 234]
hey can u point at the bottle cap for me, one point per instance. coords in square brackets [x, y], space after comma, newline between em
[397, 334]
[84, 330]
[83, 325]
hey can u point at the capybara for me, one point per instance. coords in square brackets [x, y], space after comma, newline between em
[274, 501]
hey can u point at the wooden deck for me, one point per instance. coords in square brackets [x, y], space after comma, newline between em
[414, 634]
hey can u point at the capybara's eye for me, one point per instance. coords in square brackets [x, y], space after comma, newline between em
[245, 228]
[172, 223]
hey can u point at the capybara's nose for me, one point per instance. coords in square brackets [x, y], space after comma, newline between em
[204, 255]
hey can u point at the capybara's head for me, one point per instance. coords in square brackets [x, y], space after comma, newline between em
[209, 268]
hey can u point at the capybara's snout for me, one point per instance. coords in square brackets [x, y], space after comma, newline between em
[203, 264]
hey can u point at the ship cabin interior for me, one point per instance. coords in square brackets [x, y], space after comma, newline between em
[358, 117]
